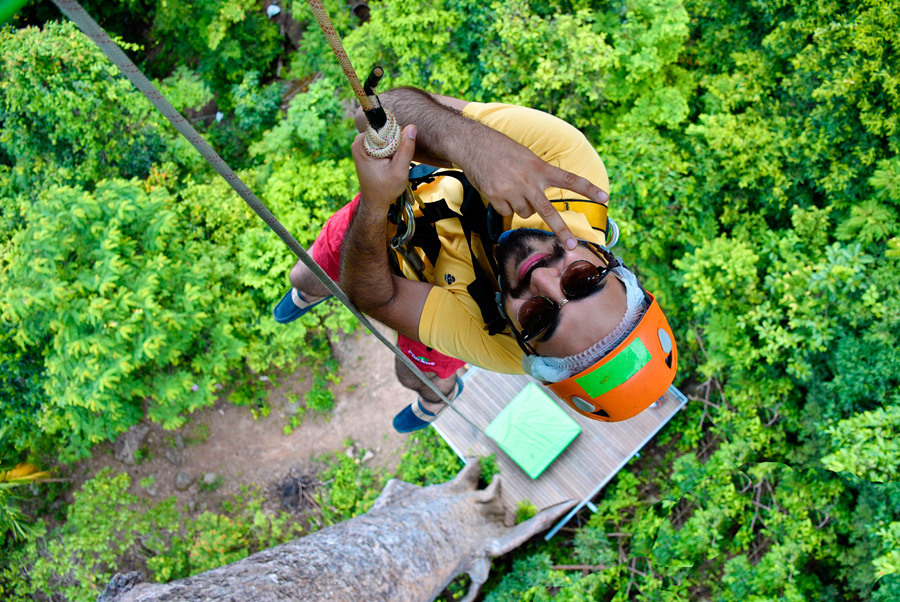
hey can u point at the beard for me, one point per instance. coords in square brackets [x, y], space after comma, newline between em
[516, 245]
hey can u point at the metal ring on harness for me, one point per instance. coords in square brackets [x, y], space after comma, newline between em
[612, 233]
[403, 240]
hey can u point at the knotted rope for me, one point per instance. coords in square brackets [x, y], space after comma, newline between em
[385, 142]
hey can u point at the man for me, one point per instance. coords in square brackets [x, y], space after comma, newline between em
[564, 310]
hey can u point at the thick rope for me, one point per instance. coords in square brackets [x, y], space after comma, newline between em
[385, 142]
[380, 144]
[77, 14]
[334, 41]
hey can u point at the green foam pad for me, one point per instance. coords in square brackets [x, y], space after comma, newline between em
[532, 429]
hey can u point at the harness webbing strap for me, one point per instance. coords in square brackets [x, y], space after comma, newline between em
[426, 238]
[475, 218]
[594, 212]
[74, 11]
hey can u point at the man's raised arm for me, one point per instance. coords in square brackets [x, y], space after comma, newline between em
[365, 271]
[507, 174]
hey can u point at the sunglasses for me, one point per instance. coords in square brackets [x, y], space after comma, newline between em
[577, 281]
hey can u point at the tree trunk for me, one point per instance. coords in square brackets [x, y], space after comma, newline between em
[407, 548]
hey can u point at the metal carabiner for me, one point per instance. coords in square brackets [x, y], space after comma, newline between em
[400, 243]
[403, 240]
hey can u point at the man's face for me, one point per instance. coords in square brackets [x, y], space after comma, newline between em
[532, 263]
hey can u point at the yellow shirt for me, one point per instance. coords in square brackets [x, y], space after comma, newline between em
[451, 321]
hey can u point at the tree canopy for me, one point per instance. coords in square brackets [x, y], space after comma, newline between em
[752, 149]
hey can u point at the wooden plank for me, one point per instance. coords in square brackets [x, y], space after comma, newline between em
[590, 460]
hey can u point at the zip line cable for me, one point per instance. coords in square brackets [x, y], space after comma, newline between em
[74, 11]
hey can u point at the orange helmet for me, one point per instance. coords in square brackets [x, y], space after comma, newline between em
[630, 377]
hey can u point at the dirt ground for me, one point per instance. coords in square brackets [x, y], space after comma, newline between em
[242, 450]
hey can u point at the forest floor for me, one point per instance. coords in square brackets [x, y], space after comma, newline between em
[230, 448]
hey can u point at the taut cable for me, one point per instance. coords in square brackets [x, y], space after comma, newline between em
[74, 11]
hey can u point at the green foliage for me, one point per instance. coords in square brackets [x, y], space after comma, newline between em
[866, 444]
[786, 309]
[212, 485]
[185, 89]
[592, 546]
[77, 559]
[314, 55]
[868, 222]
[352, 488]
[212, 540]
[294, 421]
[108, 529]
[524, 511]
[489, 468]
[159, 319]
[570, 60]
[315, 126]
[656, 208]
[528, 580]
[21, 375]
[60, 102]
[427, 459]
[255, 109]
[251, 393]
[889, 562]
[420, 44]
[559, 62]
[130, 312]
[320, 399]
[142, 455]
[225, 38]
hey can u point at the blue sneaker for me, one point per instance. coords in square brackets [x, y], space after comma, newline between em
[293, 305]
[415, 417]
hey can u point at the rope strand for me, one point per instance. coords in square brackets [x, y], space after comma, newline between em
[380, 144]
[334, 40]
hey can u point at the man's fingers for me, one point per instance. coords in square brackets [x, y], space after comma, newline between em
[583, 186]
[553, 219]
[524, 209]
[407, 148]
[382, 180]
[503, 208]
[357, 147]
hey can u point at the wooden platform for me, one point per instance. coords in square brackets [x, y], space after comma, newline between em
[580, 471]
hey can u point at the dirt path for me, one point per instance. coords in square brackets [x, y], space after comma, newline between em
[243, 450]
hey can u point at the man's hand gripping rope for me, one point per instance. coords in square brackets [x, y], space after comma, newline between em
[508, 175]
[382, 180]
